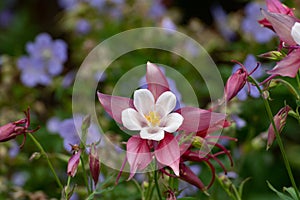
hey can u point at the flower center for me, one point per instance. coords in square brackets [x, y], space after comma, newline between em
[153, 117]
[47, 54]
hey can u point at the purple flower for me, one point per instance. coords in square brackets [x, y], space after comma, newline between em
[6, 17]
[83, 26]
[221, 21]
[45, 60]
[168, 23]
[68, 79]
[157, 10]
[250, 23]
[67, 130]
[250, 63]
[68, 4]
[240, 123]
[19, 178]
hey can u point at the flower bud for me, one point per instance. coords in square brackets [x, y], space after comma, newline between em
[13, 129]
[235, 83]
[272, 55]
[94, 163]
[279, 120]
[73, 163]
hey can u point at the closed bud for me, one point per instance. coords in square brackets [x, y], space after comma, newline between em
[272, 55]
[73, 163]
[235, 83]
[94, 163]
[279, 120]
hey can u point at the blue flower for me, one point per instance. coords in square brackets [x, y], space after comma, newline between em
[45, 60]
[83, 26]
[221, 20]
[250, 63]
[157, 9]
[250, 23]
[67, 130]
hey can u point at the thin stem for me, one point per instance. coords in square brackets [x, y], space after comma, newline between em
[85, 174]
[298, 79]
[156, 185]
[279, 141]
[47, 158]
[289, 87]
[67, 187]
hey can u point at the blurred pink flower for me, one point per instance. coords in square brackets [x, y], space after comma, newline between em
[13, 129]
[280, 120]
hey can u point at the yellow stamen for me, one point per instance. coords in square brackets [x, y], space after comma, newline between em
[153, 117]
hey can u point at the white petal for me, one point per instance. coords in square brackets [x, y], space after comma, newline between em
[165, 103]
[152, 133]
[143, 101]
[296, 32]
[132, 120]
[172, 122]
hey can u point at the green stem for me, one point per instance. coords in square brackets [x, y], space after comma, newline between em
[289, 87]
[156, 185]
[47, 158]
[85, 177]
[279, 141]
[298, 79]
[67, 187]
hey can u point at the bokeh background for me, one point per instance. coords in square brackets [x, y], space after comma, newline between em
[43, 44]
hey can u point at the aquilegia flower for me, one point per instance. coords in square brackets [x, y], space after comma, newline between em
[281, 19]
[279, 120]
[151, 114]
[45, 60]
[13, 129]
[249, 63]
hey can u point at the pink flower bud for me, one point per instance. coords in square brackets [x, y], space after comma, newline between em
[235, 83]
[73, 162]
[94, 163]
[280, 120]
[13, 129]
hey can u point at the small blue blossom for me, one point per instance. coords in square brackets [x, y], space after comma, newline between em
[6, 18]
[83, 27]
[67, 130]
[240, 123]
[221, 21]
[45, 60]
[68, 4]
[167, 23]
[250, 63]
[19, 178]
[157, 9]
[251, 26]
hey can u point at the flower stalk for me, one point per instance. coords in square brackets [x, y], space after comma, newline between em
[279, 141]
[36, 142]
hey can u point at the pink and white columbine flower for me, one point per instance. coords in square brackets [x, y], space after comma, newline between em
[151, 113]
[281, 19]
[152, 118]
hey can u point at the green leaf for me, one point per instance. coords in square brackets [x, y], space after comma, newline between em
[241, 187]
[291, 191]
[279, 194]
[91, 197]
